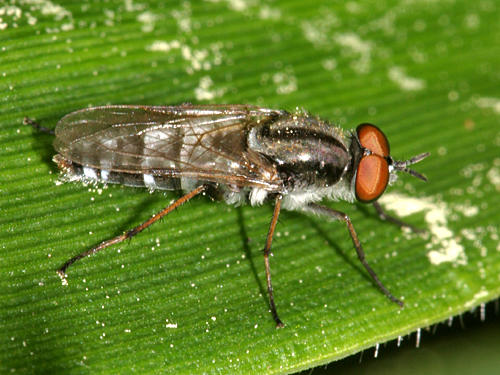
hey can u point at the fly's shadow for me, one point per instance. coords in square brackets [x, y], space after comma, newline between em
[42, 141]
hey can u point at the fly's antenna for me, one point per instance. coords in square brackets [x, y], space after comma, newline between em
[403, 165]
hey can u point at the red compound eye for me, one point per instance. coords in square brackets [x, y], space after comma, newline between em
[372, 178]
[373, 139]
[373, 170]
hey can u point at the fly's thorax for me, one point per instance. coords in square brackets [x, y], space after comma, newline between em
[307, 152]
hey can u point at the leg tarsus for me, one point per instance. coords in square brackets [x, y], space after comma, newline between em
[36, 125]
[132, 232]
[338, 215]
[386, 217]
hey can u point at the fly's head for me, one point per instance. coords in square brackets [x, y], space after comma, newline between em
[374, 167]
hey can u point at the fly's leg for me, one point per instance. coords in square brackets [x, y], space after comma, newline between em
[36, 125]
[132, 232]
[267, 250]
[385, 216]
[338, 215]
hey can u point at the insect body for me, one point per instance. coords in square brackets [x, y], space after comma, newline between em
[236, 153]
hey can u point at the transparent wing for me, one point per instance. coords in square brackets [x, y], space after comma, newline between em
[200, 142]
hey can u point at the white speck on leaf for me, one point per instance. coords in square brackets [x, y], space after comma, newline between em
[183, 17]
[405, 82]
[489, 103]
[359, 50]
[204, 91]
[444, 246]
[148, 20]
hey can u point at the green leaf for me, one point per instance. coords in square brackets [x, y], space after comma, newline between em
[189, 294]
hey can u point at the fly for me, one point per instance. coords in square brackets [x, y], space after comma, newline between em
[236, 153]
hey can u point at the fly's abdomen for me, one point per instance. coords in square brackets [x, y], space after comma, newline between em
[78, 172]
[108, 146]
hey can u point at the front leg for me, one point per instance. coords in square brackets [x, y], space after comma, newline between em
[338, 215]
[385, 216]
